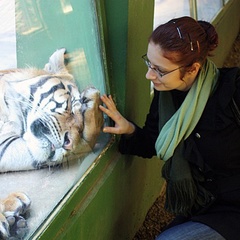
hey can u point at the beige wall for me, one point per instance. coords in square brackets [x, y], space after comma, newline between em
[227, 24]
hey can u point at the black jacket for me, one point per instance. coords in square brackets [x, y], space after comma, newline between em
[213, 148]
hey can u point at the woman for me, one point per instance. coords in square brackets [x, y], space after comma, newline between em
[193, 126]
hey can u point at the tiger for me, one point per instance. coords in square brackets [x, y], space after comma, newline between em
[44, 121]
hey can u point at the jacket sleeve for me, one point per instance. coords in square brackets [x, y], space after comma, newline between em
[142, 141]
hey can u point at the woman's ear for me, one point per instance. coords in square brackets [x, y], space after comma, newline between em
[194, 68]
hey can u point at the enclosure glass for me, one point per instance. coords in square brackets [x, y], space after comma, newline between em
[33, 31]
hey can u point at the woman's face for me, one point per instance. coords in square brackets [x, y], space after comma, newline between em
[169, 81]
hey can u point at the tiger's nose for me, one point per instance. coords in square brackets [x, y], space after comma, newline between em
[68, 143]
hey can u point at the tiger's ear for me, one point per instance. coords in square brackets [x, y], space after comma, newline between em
[56, 62]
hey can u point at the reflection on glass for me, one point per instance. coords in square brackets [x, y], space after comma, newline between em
[66, 6]
[27, 17]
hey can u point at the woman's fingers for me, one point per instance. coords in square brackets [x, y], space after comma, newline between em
[110, 108]
[108, 101]
[122, 125]
[113, 130]
[114, 114]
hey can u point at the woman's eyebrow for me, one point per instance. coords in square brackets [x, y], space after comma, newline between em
[157, 66]
[161, 68]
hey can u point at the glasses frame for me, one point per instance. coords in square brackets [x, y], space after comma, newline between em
[149, 65]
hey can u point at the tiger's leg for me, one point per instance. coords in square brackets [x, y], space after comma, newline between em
[15, 206]
[92, 116]
[4, 227]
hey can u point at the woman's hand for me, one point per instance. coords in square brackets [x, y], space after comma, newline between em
[122, 125]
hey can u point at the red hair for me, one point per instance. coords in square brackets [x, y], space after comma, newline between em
[185, 40]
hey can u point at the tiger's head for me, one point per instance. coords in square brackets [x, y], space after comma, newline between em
[44, 118]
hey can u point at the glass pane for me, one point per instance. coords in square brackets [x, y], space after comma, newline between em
[207, 9]
[33, 31]
[56, 24]
[7, 35]
[165, 10]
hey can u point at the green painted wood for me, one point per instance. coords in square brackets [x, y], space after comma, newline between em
[116, 45]
[140, 25]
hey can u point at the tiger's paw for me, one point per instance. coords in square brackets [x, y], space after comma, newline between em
[18, 227]
[92, 115]
[12, 221]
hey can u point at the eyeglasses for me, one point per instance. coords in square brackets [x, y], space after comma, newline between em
[157, 70]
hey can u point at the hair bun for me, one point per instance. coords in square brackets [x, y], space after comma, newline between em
[212, 36]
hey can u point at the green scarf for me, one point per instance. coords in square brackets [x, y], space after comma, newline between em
[175, 127]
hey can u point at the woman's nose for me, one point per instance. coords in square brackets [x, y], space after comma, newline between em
[151, 74]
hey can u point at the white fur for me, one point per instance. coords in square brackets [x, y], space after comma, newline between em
[38, 132]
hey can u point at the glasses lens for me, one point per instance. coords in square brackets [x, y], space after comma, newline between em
[147, 62]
